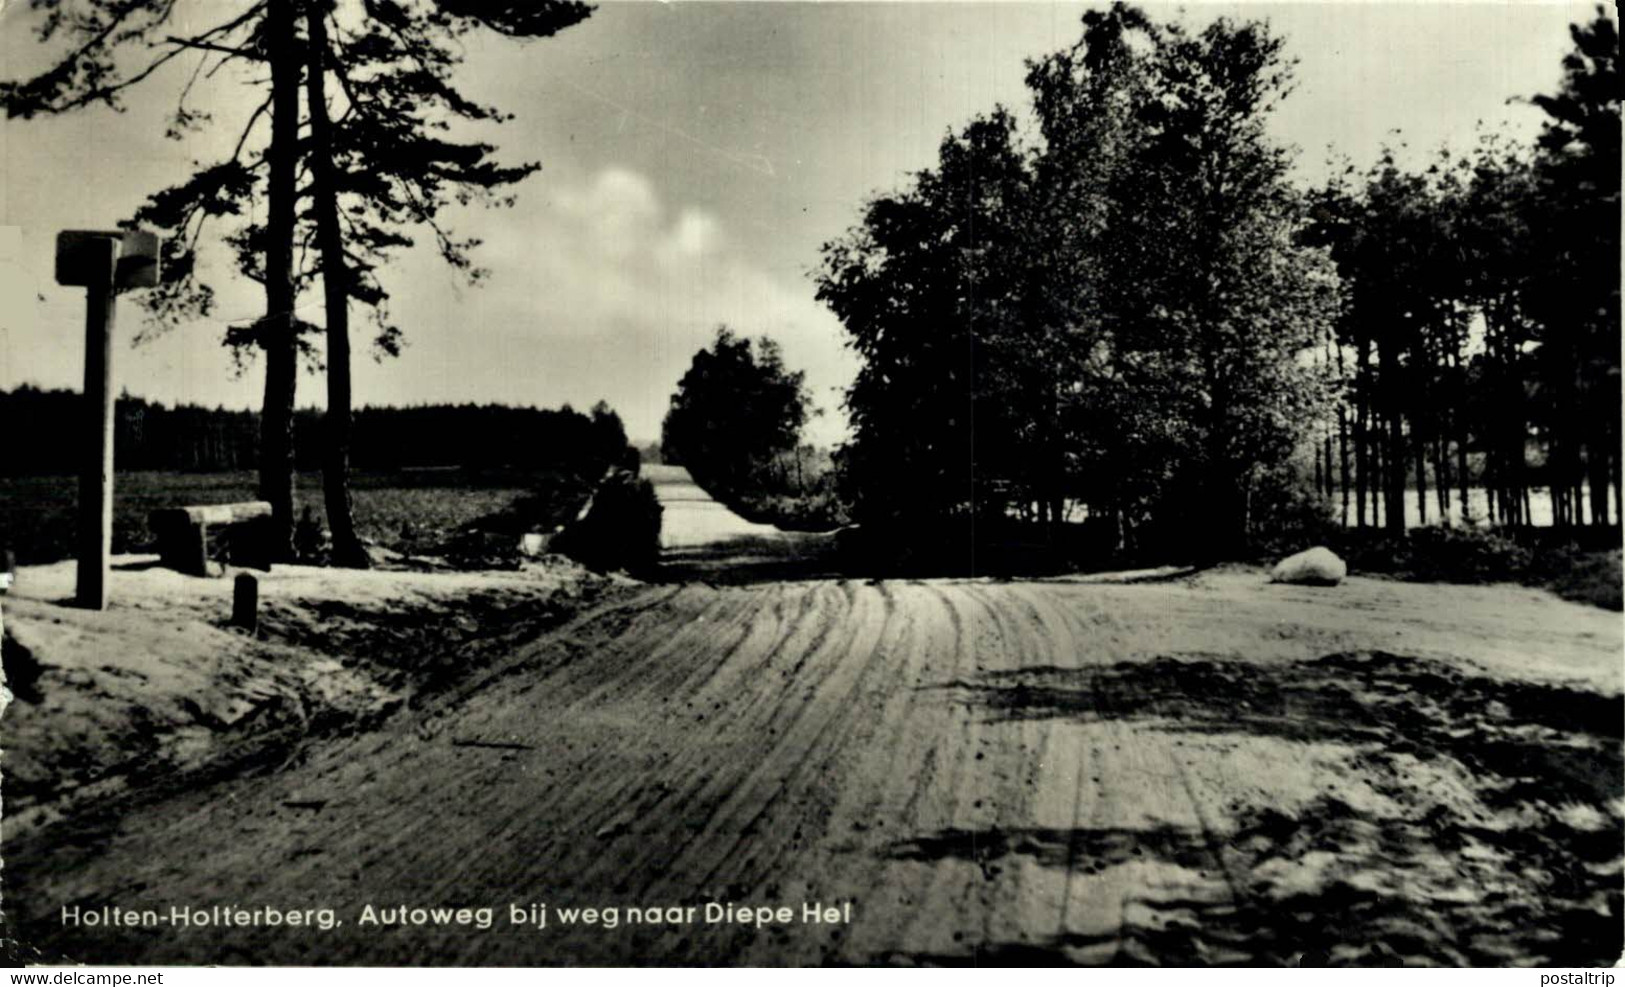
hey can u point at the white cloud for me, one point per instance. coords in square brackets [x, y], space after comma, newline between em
[599, 288]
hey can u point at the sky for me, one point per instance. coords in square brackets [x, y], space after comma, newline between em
[695, 156]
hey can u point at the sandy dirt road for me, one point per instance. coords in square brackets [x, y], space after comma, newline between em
[1213, 770]
[691, 521]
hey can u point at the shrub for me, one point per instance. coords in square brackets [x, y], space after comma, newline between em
[1287, 514]
[1585, 577]
[818, 510]
[909, 546]
[547, 506]
[22, 669]
[1465, 555]
[1573, 563]
[621, 529]
[475, 549]
[312, 544]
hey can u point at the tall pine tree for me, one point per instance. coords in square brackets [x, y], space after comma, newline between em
[377, 167]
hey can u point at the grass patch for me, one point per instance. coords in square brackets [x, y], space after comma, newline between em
[1577, 564]
[411, 511]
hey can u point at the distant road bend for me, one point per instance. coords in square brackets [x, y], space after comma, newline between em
[1056, 771]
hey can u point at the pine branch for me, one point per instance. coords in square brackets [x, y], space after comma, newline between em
[242, 138]
[45, 93]
[220, 49]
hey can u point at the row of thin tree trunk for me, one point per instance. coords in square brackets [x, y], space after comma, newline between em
[1411, 426]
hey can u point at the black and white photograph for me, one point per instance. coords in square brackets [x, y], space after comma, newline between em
[727, 483]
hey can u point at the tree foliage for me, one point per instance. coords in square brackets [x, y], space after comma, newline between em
[1480, 330]
[344, 187]
[736, 410]
[397, 164]
[1114, 316]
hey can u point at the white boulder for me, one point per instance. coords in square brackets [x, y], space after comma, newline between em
[1319, 566]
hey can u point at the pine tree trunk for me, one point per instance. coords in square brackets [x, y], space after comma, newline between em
[1393, 461]
[1573, 443]
[1362, 464]
[1619, 517]
[1378, 478]
[1556, 491]
[278, 331]
[1343, 460]
[1393, 457]
[1327, 457]
[1320, 475]
[347, 548]
[1463, 481]
[1517, 435]
[1421, 390]
[1362, 432]
[1323, 443]
[1458, 419]
[1597, 474]
[1342, 436]
[1441, 477]
[1419, 446]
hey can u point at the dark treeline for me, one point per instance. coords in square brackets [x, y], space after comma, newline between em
[154, 436]
[1478, 342]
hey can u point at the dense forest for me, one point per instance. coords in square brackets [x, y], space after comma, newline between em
[154, 436]
[1134, 315]
[1478, 340]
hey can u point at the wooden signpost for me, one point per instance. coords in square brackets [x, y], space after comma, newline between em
[103, 263]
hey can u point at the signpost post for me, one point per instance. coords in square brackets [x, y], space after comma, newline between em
[103, 263]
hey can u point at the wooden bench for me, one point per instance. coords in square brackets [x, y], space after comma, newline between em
[237, 530]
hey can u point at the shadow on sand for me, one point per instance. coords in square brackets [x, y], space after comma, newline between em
[1548, 742]
[784, 557]
[1531, 873]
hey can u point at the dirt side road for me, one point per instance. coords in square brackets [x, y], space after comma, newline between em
[690, 520]
[1209, 771]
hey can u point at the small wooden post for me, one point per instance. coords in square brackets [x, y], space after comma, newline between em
[245, 602]
[96, 473]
